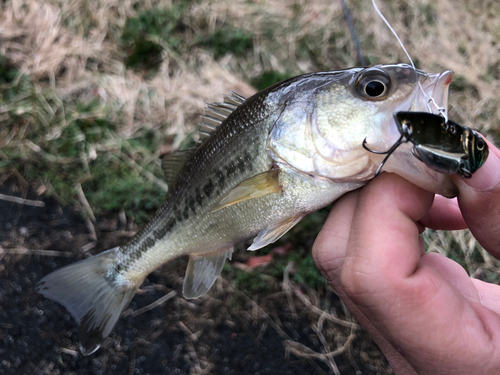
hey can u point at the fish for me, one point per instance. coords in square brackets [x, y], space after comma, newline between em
[263, 164]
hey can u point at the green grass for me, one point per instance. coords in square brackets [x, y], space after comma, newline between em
[7, 71]
[227, 39]
[51, 140]
[269, 78]
[147, 35]
[113, 188]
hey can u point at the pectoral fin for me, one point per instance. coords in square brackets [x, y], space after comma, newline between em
[202, 270]
[256, 186]
[272, 234]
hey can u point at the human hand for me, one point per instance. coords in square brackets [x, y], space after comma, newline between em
[423, 310]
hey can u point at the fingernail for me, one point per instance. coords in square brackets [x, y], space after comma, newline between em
[486, 177]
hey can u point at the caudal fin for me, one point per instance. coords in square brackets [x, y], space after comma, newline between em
[91, 295]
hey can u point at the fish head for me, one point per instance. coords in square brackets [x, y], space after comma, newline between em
[327, 116]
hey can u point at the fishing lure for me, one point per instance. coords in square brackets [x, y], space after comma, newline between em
[441, 144]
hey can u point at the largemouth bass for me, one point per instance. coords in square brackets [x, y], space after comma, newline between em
[265, 163]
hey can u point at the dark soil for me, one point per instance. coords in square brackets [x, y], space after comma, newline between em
[224, 332]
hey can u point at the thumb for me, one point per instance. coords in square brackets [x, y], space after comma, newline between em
[479, 200]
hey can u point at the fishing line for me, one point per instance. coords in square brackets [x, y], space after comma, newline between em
[430, 99]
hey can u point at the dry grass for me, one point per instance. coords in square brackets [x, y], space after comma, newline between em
[71, 52]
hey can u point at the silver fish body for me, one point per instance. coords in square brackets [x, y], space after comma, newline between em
[266, 162]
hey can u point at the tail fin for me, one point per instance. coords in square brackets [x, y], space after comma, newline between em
[91, 295]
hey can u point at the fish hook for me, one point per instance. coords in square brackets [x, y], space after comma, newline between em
[465, 173]
[402, 139]
[415, 153]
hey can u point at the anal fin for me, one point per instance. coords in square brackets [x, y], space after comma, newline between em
[202, 270]
[256, 186]
[274, 233]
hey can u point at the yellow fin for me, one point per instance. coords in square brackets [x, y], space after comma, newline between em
[274, 233]
[256, 186]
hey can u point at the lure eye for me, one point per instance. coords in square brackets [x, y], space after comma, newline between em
[373, 84]
[407, 128]
[480, 144]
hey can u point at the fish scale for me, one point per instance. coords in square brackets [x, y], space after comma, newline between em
[196, 184]
[263, 164]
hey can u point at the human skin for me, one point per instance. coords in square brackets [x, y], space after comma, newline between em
[423, 310]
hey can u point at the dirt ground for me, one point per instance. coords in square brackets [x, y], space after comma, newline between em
[225, 332]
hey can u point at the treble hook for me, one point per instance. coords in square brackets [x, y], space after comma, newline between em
[388, 153]
[465, 173]
[415, 153]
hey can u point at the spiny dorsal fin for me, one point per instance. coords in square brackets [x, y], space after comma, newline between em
[274, 233]
[173, 163]
[237, 97]
[202, 270]
[216, 113]
[256, 186]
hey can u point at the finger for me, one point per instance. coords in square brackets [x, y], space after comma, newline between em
[330, 246]
[387, 212]
[413, 304]
[453, 273]
[329, 251]
[444, 215]
[479, 200]
[489, 295]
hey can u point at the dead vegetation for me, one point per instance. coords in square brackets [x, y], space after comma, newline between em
[79, 116]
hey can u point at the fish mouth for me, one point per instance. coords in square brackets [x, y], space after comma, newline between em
[430, 96]
[433, 95]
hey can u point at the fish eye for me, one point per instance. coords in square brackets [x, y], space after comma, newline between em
[374, 88]
[373, 84]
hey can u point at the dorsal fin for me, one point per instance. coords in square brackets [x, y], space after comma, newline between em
[173, 163]
[216, 113]
[239, 98]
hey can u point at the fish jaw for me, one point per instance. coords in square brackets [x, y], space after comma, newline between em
[402, 162]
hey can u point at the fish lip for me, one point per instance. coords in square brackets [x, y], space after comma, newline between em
[436, 87]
